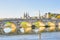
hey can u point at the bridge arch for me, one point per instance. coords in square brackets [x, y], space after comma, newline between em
[9, 26]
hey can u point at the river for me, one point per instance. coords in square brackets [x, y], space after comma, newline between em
[44, 36]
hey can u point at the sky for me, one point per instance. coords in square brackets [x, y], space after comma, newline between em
[16, 8]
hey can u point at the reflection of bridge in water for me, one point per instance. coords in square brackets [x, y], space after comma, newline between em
[18, 21]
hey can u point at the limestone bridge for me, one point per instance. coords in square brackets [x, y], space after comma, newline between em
[17, 21]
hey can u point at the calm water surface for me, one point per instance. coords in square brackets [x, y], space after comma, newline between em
[44, 36]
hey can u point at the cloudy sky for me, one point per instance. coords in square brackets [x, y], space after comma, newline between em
[16, 8]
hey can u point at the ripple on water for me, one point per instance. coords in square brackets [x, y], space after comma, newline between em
[44, 36]
[20, 37]
[51, 36]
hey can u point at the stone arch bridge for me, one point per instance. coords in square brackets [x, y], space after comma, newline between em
[18, 21]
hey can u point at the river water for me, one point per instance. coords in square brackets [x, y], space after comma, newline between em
[44, 36]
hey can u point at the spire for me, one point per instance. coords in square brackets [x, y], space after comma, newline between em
[27, 15]
[24, 15]
[39, 14]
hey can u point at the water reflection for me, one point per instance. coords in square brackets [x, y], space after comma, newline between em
[44, 36]
[50, 36]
